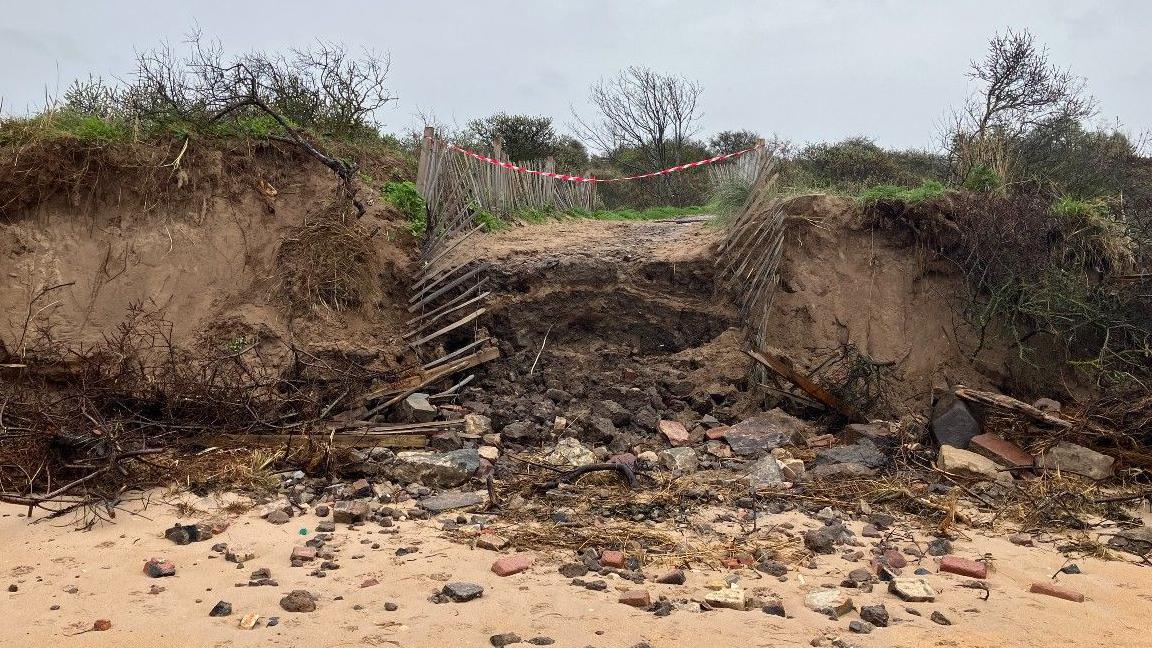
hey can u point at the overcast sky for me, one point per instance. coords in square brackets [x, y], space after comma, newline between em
[807, 70]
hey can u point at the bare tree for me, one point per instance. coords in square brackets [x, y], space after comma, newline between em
[1019, 91]
[645, 111]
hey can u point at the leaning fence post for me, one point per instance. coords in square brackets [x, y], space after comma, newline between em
[425, 159]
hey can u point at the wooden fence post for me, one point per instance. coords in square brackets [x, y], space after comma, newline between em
[425, 159]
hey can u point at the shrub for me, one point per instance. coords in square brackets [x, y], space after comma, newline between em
[982, 178]
[910, 196]
[405, 197]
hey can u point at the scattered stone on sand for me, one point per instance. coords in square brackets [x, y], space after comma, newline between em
[912, 590]
[461, 592]
[1069, 457]
[876, 615]
[504, 639]
[965, 463]
[299, 601]
[732, 598]
[939, 617]
[860, 627]
[221, 609]
[831, 601]
[513, 564]
[157, 568]
[636, 598]
[278, 517]
[350, 512]
[674, 577]
[101, 625]
[249, 621]
[450, 501]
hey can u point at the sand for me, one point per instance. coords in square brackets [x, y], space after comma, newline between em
[105, 567]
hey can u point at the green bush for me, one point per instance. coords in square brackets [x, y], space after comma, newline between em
[405, 197]
[982, 178]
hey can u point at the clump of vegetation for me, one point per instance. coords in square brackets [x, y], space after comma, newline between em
[926, 191]
[405, 197]
[328, 262]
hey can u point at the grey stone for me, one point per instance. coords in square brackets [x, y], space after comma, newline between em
[278, 517]
[757, 436]
[832, 601]
[953, 422]
[1047, 405]
[877, 615]
[299, 601]
[1137, 541]
[504, 639]
[221, 609]
[863, 452]
[451, 500]
[462, 592]
[764, 472]
[541, 641]
[860, 627]
[772, 568]
[350, 511]
[518, 430]
[1069, 457]
[417, 409]
[839, 471]
[939, 617]
[775, 608]
[940, 547]
[570, 452]
[679, 460]
[674, 577]
[613, 411]
[434, 469]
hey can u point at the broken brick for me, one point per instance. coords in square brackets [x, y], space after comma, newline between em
[513, 564]
[612, 558]
[1001, 451]
[636, 598]
[963, 567]
[1052, 589]
[304, 553]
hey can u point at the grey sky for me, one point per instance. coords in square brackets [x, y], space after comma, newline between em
[807, 70]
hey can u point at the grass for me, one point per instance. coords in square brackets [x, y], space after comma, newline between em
[928, 190]
[405, 197]
[493, 222]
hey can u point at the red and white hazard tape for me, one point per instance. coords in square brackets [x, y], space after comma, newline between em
[573, 178]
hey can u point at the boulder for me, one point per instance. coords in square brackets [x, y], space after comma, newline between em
[863, 452]
[434, 469]
[451, 500]
[969, 464]
[953, 422]
[1069, 457]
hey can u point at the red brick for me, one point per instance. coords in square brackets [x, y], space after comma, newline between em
[304, 553]
[963, 567]
[1001, 451]
[612, 558]
[1052, 589]
[513, 564]
[674, 431]
[636, 598]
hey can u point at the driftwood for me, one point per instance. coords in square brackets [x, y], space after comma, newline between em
[784, 368]
[1009, 404]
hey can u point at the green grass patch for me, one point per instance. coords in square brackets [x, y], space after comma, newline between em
[405, 197]
[928, 190]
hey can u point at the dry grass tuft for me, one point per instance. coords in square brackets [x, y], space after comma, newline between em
[328, 262]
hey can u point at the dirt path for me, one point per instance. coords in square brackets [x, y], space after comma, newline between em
[104, 565]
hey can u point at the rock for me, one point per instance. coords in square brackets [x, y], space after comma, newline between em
[1021, 539]
[757, 436]
[912, 590]
[434, 469]
[824, 539]
[1001, 451]
[504, 639]
[860, 627]
[573, 570]
[299, 601]
[775, 608]
[1047, 405]
[969, 464]
[612, 558]
[278, 517]
[648, 457]
[1069, 457]
[1137, 540]
[732, 598]
[613, 411]
[477, 425]
[876, 615]
[679, 460]
[513, 564]
[451, 500]
[674, 431]
[462, 592]
[570, 452]
[183, 534]
[863, 452]
[518, 430]
[636, 598]
[772, 568]
[417, 409]
[1052, 589]
[840, 471]
[491, 542]
[249, 621]
[953, 423]
[674, 577]
[239, 555]
[832, 601]
[221, 609]
[939, 617]
[371, 582]
[542, 641]
[327, 526]
[102, 625]
[792, 469]
[892, 558]
[1070, 569]
[391, 607]
[939, 547]
[763, 473]
[491, 453]
[322, 510]
[963, 567]
[350, 512]
[158, 568]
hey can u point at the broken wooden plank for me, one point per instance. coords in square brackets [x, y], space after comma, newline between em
[416, 331]
[783, 367]
[415, 381]
[454, 283]
[450, 304]
[337, 440]
[340, 427]
[1010, 404]
[449, 328]
[456, 354]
